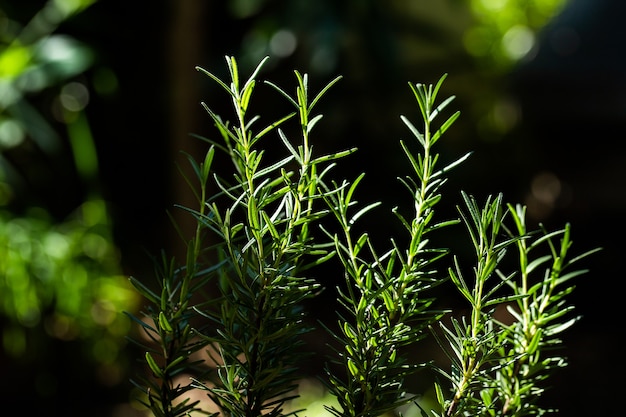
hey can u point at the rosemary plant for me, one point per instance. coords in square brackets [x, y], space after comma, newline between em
[168, 319]
[261, 220]
[475, 341]
[385, 299]
[239, 294]
[499, 368]
[257, 321]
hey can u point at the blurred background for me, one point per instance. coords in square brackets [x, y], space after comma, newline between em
[98, 98]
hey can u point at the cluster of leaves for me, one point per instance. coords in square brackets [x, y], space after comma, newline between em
[258, 319]
[499, 367]
[264, 247]
[386, 294]
[245, 280]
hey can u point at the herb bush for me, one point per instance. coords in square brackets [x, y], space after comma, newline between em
[239, 295]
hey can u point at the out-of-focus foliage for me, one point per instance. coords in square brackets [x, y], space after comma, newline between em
[378, 42]
[60, 275]
[33, 58]
[65, 277]
[496, 32]
[505, 30]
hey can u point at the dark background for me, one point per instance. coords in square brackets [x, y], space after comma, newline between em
[563, 109]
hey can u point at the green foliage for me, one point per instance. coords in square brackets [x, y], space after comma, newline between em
[34, 58]
[63, 277]
[499, 368]
[58, 278]
[240, 293]
[505, 31]
[261, 219]
[169, 326]
[386, 294]
[265, 230]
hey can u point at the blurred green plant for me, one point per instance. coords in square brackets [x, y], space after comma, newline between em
[497, 33]
[32, 59]
[60, 278]
[483, 40]
[505, 31]
[249, 266]
[64, 278]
